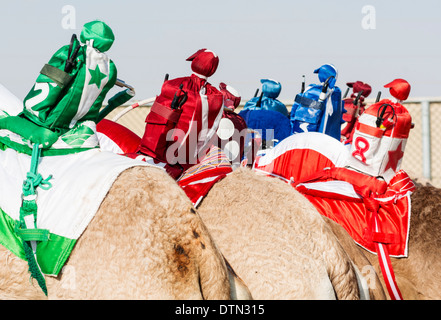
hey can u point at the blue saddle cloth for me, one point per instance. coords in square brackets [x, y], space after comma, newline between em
[266, 120]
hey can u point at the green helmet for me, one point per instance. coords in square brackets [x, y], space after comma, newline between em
[101, 34]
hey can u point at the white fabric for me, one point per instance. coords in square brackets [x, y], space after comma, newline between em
[9, 102]
[334, 186]
[90, 93]
[330, 147]
[80, 183]
[376, 151]
[108, 144]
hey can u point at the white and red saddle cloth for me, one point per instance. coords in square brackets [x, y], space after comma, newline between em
[196, 181]
[314, 165]
[376, 214]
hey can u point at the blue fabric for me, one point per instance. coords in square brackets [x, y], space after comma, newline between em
[309, 116]
[271, 88]
[267, 104]
[270, 91]
[326, 71]
[264, 120]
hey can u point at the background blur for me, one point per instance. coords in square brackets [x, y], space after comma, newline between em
[278, 39]
[368, 40]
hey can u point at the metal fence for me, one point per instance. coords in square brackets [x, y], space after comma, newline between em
[422, 156]
[423, 153]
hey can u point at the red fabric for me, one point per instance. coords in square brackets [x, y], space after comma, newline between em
[402, 119]
[204, 62]
[298, 164]
[311, 169]
[126, 139]
[163, 111]
[231, 101]
[399, 185]
[369, 130]
[355, 215]
[191, 115]
[399, 89]
[350, 118]
[358, 86]
[198, 185]
[160, 120]
[240, 126]
[362, 183]
[354, 111]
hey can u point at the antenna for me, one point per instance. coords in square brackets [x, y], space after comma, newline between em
[378, 96]
[303, 85]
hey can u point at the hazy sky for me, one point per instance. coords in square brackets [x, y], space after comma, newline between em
[278, 39]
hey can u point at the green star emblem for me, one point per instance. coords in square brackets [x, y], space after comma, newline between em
[96, 76]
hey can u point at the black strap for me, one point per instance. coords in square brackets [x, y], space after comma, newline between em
[60, 77]
[309, 103]
[70, 62]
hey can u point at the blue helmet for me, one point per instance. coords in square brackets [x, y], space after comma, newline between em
[271, 88]
[326, 71]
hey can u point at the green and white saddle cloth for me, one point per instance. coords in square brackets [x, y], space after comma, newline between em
[71, 87]
[53, 174]
[79, 183]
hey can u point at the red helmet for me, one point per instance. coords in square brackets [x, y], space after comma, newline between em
[358, 86]
[231, 96]
[399, 89]
[204, 62]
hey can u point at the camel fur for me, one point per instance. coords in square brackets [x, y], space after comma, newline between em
[418, 275]
[277, 240]
[369, 278]
[145, 242]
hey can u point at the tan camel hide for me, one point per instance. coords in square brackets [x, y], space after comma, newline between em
[276, 240]
[145, 242]
[372, 282]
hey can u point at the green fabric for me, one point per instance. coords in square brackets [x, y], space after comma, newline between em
[8, 237]
[29, 207]
[27, 234]
[22, 148]
[34, 268]
[29, 130]
[33, 234]
[96, 76]
[46, 104]
[51, 254]
[73, 140]
[77, 137]
[53, 111]
[60, 77]
[101, 34]
[53, 101]
[114, 102]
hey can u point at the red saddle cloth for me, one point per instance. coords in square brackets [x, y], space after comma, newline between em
[199, 179]
[314, 164]
[196, 181]
[355, 207]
